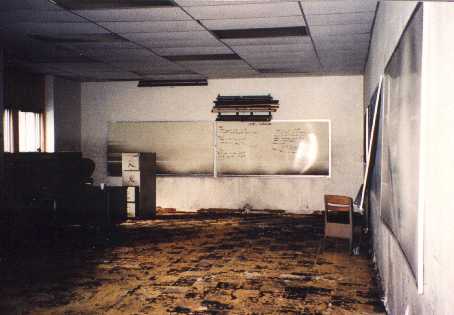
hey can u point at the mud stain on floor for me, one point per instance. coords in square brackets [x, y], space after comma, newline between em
[193, 264]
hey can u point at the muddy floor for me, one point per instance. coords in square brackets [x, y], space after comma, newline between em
[191, 264]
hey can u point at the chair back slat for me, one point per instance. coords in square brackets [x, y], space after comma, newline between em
[338, 203]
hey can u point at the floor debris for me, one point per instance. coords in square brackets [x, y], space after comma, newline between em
[193, 264]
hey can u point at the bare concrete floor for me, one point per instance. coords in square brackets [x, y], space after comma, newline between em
[192, 264]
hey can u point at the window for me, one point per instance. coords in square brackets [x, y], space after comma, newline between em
[8, 133]
[30, 132]
[23, 131]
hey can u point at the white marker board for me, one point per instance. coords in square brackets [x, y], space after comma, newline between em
[273, 148]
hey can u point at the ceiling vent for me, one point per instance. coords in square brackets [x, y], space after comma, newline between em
[261, 32]
[111, 4]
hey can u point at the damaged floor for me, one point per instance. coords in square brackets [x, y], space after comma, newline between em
[192, 264]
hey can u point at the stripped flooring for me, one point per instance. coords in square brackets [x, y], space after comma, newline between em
[193, 264]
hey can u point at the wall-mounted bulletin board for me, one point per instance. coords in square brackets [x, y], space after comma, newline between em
[278, 148]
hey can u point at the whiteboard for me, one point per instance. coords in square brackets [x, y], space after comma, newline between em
[273, 148]
[182, 148]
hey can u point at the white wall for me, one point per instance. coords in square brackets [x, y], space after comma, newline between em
[391, 18]
[401, 293]
[67, 114]
[49, 114]
[336, 98]
[438, 114]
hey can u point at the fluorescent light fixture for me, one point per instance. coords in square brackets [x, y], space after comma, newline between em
[111, 4]
[261, 32]
[155, 83]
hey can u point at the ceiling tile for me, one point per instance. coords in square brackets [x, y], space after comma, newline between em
[244, 10]
[170, 36]
[273, 49]
[338, 6]
[152, 27]
[56, 28]
[267, 41]
[120, 54]
[139, 15]
[341, 44]
[340, 29]
[34, 16]
[343, 18]
[181, 43]
[100, 45]
[175, 51]
[162, 67]
[267, 22]
[335, 38]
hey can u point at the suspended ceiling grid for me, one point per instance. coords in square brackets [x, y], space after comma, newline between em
[187, 39]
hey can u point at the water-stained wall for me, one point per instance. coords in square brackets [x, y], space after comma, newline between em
[339, 99]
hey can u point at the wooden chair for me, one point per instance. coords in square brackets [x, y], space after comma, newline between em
[339, 217]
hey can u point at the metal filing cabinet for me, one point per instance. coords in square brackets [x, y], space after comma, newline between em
[139, 175]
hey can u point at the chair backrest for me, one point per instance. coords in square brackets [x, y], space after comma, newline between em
[338, 203]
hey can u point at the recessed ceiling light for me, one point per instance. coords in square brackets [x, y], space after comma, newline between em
[112, 4]
[261, 32]
[152, 83]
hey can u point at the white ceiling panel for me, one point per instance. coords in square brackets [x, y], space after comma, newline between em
[228, 24]
[40, 4]
[34, 16]
[273, 49]
[338, 6]
[198, 50]
[244, 10]
[149, 67]
[339, 44]
[101, 45]
[152, 27]
[229, 73]
[181, 43]
[92, 66]
[107, 74]
[170, 36]
[340, 29]
[138, 15]
[309, 59]
[56, 28]
[353, 55]
[344, 18]
[348, 38]
[290, 40]
[120, 54]
[214, 63]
